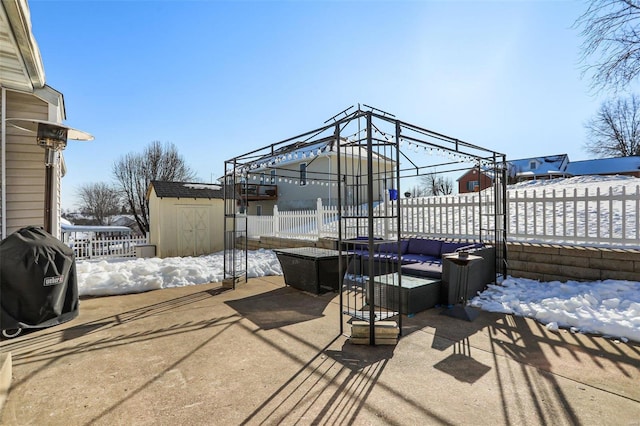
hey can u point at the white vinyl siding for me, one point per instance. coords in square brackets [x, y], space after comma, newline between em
[25, 170]
[293, 196]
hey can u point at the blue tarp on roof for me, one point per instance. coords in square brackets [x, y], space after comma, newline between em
[604, 166]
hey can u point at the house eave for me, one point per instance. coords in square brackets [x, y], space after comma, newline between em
[19, 20]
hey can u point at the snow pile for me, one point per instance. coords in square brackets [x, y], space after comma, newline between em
[119, 276]
[610, 307]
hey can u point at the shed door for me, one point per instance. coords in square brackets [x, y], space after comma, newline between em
[193, 226]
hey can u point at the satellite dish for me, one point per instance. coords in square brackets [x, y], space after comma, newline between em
[36, 126]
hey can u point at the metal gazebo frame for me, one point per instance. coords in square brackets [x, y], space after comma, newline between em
[375, 153]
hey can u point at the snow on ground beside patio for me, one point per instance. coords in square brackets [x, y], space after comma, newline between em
[123, 276]
[610, 308]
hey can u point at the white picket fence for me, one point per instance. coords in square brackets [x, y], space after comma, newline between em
[603, 218]
[611, 218]
[106, 246]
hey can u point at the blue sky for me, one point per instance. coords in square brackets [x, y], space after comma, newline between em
[219, 79]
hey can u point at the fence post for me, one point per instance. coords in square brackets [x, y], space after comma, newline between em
[276, 221]
[319, 217]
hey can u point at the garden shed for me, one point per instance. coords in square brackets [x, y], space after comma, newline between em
[185, 219]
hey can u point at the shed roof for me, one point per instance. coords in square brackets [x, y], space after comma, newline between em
[165, 189]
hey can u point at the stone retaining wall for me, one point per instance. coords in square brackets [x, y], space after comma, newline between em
[276, 242]
[547, 262]
[544, 262]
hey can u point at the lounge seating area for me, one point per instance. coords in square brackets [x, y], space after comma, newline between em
[425, 258]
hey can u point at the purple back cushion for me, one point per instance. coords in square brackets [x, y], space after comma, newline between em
[422, 246]
[392, 247]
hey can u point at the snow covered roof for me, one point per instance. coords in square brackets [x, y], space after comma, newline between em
[605, 166]
[539, 166]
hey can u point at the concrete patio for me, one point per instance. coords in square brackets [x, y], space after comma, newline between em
[269, 354]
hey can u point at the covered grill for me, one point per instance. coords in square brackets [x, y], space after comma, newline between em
[38, 283]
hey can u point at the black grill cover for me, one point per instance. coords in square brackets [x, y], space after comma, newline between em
[38, 283]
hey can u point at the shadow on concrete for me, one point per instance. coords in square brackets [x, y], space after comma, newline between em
[530, 344]
[342, 379]
[461, 365]
[281, 307]
[50, 346]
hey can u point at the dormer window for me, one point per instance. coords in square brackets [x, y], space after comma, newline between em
[533, 164]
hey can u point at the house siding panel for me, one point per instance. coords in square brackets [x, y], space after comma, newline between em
[472, 175]
[25, 170]
[292, 196]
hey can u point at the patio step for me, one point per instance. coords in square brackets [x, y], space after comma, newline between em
[365, 316]
[5, 377]
[386, 333]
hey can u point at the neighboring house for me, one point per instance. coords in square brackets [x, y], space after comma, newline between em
[474, 180]
[295, 176]
[606, 166]
[549, 167]
[31, 161]
[185, 219]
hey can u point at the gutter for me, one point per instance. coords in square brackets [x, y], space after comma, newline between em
[20, 23]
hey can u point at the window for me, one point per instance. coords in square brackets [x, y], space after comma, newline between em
[258, 210]
[303, 174]
[262, 181]
[533, 165]
[273, 177]
[472, 185]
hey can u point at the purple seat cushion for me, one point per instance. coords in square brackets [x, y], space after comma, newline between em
[363, 253]
[393, 257]
[418, 258]
[423, 246]
[431, 269]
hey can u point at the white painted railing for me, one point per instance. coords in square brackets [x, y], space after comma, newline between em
[106, 246]
[610, 218]
[606, 218]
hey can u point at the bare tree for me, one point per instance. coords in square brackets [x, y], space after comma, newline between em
[100, 200]
[615, 129]
[134, 173]
[611, 46]
[435, 184]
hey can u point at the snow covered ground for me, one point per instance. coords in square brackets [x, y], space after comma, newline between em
[610, 308]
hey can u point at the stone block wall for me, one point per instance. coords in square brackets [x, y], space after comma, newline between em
[277, 242]
[546, 262]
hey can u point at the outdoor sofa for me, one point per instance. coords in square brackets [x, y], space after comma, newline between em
[423, 257]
